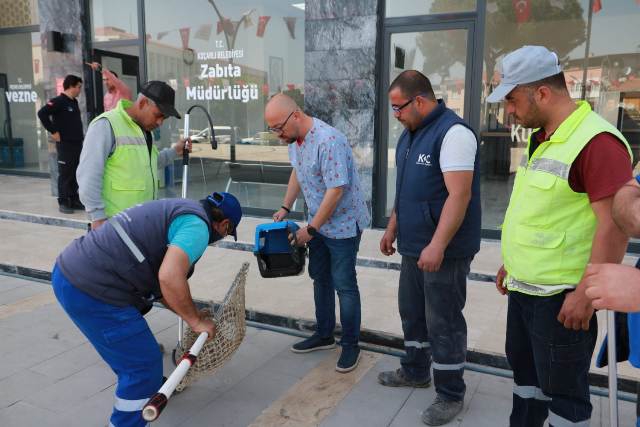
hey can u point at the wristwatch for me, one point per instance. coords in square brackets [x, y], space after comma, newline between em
[312, 231]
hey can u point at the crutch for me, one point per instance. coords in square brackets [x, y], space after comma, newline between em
[185, 178]
[613, 373]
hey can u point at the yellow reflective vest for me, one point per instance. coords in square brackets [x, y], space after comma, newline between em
[548, 228]
[131, 172]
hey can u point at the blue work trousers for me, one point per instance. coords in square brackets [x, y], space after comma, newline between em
[122, 337]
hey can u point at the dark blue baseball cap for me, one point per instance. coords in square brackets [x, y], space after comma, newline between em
[230, 207]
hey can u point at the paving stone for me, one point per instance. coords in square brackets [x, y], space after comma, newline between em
[369, 403]
[23, 414]
[21, 292]
[68, 363]
[74, 389]
[245, 401]
[20, 385]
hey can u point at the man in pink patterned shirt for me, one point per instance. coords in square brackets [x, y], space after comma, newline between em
[325, 171]
[116, 89]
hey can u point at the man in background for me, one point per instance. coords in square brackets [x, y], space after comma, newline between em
[61, 118]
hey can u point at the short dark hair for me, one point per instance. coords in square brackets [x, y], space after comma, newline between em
[413, 83]
[114, 73]
[556, 82]
[70, 81]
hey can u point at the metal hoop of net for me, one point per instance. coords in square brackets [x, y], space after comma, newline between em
[229, 318]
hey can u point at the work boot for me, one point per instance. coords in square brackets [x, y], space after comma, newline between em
[399, 378]
[313, 343]
[441, 411]
[348, 359]
[77, 204]
[65, 206]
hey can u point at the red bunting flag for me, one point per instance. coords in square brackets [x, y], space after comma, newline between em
[225, 25]
[184, 35]
[262, 25]
[597, 6]
[291, 25]
[522, 9]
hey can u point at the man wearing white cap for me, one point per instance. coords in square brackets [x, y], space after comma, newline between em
[558, 221]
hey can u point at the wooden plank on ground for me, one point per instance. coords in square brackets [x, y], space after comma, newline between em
[315, 396]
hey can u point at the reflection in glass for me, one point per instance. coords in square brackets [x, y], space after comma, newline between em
[607, 76]
[397, 8]
[23, 140]
[229, 56]
[114, 20]
[441, 56]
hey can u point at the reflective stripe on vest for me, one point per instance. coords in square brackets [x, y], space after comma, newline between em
[126, 239]
[548, 228]
[131, 171]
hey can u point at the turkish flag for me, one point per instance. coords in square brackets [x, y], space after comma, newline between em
[597, 6]
[262, 25]
[522, 9]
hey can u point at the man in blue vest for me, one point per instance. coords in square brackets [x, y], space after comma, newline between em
[107, 279]
[436, 219]
[616, 286]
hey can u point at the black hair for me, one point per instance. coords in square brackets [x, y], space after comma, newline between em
[556, 82]
[413, 83]
[114, 73]
[70, 81]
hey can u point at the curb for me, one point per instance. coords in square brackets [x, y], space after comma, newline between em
[367, 336]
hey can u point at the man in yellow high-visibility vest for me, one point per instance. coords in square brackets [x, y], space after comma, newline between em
[119, 164]
[558, 220]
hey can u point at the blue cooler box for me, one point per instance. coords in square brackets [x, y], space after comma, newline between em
[276, 257]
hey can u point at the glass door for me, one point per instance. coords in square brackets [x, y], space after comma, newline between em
[443, 53]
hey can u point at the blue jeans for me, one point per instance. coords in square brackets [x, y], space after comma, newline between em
[550, 363]
[435, 331]
[123, 339]
[332, 266]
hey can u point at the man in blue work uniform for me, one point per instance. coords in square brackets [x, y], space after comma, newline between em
[61, 118]
[617, 286]
[436, 219]
[107, 279]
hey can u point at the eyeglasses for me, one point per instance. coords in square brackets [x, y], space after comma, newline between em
[279, 129]
[398, 108]
[217, 199]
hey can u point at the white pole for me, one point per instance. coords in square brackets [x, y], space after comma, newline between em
[185, 178]
[613, 374]
[158, 401]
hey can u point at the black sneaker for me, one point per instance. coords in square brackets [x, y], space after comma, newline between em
[313, 343]
[399, 378]
[348, 359]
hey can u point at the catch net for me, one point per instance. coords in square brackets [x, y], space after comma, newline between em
[229, 318]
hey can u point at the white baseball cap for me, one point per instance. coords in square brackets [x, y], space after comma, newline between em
[525, 65]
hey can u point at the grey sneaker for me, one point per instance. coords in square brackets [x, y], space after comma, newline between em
[313, 343]
[441, 411]
[399, 378]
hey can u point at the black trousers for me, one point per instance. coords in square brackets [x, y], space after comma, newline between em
[68, 159]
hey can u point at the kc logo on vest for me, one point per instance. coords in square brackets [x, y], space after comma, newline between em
[424, 160]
